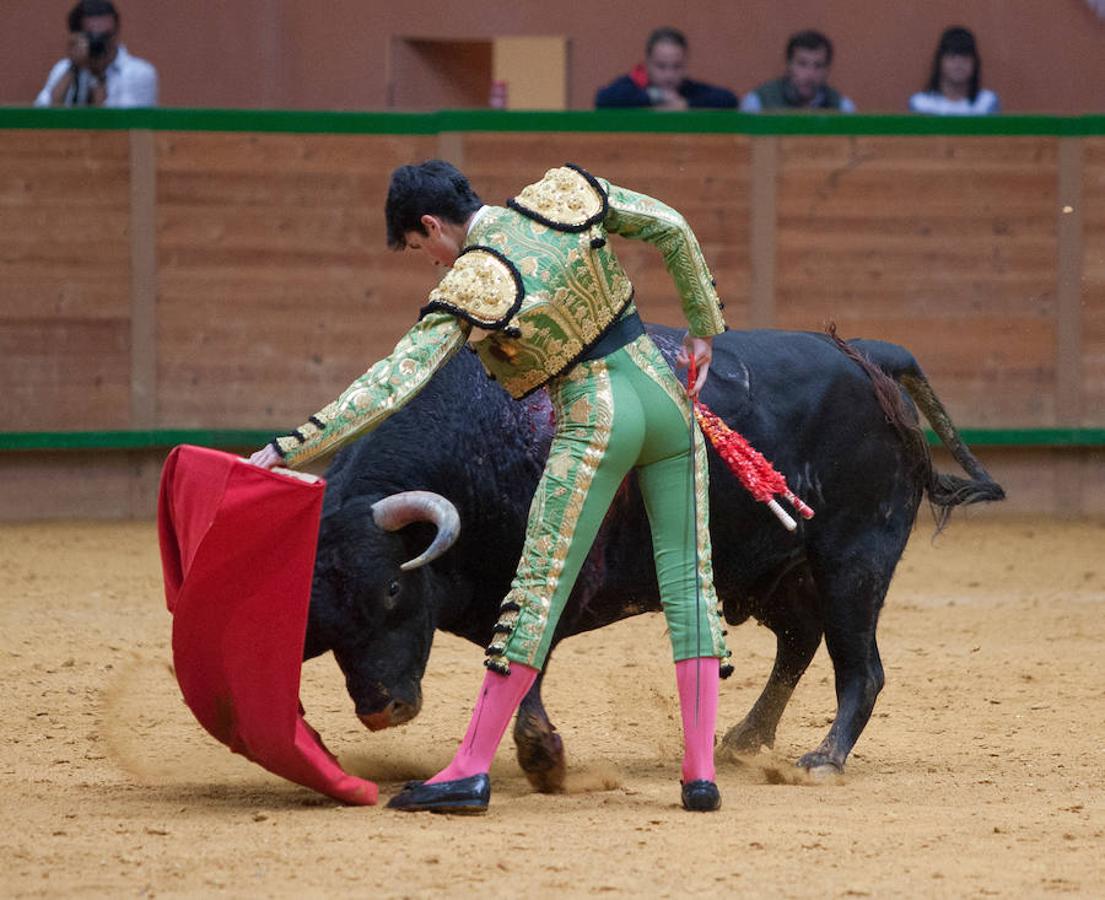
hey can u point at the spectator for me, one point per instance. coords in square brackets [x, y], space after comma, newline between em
[98, 70]
[805, 84]
[660, 80]
[953, 87]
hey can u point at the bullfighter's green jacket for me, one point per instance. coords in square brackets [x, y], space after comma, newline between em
[535, 287]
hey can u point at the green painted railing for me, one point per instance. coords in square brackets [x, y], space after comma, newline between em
[163, 438]
[150, 439]
[621, 121]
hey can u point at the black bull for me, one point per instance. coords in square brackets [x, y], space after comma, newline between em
[842, 429]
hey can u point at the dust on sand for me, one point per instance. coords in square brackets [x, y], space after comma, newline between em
[979, 773]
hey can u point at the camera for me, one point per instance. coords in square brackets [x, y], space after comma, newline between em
[98, 43]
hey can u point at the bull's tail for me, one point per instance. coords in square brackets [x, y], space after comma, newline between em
[888, 366]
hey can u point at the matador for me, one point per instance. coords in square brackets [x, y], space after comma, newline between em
[537, 291]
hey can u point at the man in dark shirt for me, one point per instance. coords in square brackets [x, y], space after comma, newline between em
[659, 82]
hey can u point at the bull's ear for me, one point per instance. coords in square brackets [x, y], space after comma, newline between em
[345, 538]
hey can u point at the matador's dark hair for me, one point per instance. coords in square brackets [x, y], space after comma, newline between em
[432, 188]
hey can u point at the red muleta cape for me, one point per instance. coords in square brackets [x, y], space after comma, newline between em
[237, 551]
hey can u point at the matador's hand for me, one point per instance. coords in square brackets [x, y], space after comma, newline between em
[266, 457]
[702, 350]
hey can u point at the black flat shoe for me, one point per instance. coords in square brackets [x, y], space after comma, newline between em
[468, 796]
[701, 796]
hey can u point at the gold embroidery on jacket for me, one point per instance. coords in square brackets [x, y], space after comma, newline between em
[564, 197]
[481, 287]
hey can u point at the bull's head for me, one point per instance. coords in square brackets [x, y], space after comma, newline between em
[373, 604]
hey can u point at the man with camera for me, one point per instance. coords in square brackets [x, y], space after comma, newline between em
[98, 70]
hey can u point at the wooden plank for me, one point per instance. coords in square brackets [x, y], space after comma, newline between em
[63, 235]
[1092, 293]
[1092, 482]
[65, 292]
[764, 177]
[450, 147]
[78, 485]
[947, 245]
[124, 485]
[143, 486]
[1068, 320]
[1068, 307]
[64, 374]
[143, 317]
[276, 284]
[112, 485]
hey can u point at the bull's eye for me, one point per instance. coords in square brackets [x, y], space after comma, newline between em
[391, 599]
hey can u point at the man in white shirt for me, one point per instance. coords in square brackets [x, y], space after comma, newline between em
[98, 70]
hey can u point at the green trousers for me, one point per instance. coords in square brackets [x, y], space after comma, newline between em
[625, 411]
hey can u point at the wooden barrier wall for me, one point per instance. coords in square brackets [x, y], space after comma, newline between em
[195, 279]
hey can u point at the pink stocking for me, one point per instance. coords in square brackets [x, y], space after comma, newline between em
[698, 693]
[499, 698]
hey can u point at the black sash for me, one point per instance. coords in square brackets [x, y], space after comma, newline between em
[626, 329]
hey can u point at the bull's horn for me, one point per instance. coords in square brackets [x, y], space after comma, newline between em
[399, 510]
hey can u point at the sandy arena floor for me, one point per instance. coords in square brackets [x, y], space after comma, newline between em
[979, 775]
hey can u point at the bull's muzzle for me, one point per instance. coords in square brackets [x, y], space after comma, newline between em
[397, 712]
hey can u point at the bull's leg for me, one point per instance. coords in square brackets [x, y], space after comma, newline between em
[858, 682]
[794, 650]
[540, 749]
[797, 628]
[850, 640]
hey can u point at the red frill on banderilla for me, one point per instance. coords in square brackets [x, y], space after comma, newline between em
[759, 477]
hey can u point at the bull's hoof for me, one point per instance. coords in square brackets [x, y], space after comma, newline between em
[820, 766]
[746, 738]
[541, 755]
[548, 781]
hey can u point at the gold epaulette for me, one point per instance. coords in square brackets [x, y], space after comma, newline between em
[483, 287]
[567, 199]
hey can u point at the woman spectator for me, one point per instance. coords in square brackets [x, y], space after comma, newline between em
[953, 87]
